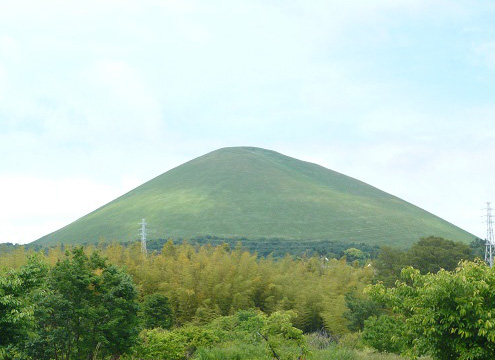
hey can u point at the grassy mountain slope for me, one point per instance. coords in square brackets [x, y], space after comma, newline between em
[252, 192]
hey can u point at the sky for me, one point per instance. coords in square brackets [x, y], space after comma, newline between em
[98, 97]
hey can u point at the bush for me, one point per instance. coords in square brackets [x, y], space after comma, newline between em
[233, 351]
[178, 344]
[383, 333]
[157, 312]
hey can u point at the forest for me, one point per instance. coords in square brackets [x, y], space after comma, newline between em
[223, 301]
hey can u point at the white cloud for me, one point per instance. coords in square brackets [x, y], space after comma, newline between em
[42, 200]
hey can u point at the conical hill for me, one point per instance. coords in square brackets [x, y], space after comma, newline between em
[255, 193]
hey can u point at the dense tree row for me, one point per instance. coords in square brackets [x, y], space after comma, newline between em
[76, 309]
[93, 302]
[206, 282]
[428, 255]
[274, 247]
[278, 247]
[448, 315]
[200, 284]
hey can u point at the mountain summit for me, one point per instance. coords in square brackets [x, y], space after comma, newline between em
[255, 193]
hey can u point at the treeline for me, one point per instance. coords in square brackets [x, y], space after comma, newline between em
[75, 303]
[211, 302]
[279, 247]
[446, 315]
[428, 255]
[209, 281]
[263, 247]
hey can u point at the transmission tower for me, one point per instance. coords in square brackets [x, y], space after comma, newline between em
[490, 240]
[143, 234]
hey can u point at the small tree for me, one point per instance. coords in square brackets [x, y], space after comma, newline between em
[88, 309]
[355, 255]
[448, 315]
[384, 333]
[360, 307]
[433, 253]
[157, 312]
[17, 309]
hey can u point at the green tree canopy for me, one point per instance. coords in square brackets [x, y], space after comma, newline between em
[429, 254]
[89, 309]
[448, 315]
[434, 253]
[17, 310]
[157, 312]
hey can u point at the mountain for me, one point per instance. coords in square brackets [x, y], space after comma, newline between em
[254, 193]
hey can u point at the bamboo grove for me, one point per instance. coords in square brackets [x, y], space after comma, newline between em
[205, 282]
[111, 301]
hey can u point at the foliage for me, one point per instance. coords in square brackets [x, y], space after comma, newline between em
[177, 344]
[277, 330]
[234, 350]
[89, 309]
[246, 329]
[354, 255]
[429, 254]
[76, 305]
[278, 247]
[17, 311]
[8, 247]
[157, 312]
[389, 264]
[361, 307]
[203, 283]
[478, 248]
[434, 253]
[384, 333]
[449, 315]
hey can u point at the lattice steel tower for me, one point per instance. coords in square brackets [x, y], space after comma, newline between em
[490, 240]
[143, 236]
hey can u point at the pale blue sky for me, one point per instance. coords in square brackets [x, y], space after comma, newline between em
[97, 97]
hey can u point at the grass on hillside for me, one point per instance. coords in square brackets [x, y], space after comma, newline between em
[254, 193]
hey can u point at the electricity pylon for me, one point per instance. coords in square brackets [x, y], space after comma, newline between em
[490, 241]
[143, 236]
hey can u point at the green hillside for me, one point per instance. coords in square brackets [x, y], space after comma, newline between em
[252, 192]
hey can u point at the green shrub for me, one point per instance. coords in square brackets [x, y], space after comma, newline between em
[178, 344]
[157, 312]
[384, 333]
[334, 352]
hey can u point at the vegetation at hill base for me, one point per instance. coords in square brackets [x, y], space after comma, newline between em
[448, 315]
[257, 193]
[428, 255]
[278, 248]
[223, 302]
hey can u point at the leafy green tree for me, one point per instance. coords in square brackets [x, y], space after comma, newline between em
[278, 331]
[361, 307]
[447, 315]
[157, 312]
[384, 333]
[178, 344]
[389, 264]
[434, 253]
[17, 309]
[89, 309]
[429, 254]
[478, 248]
[355, 255]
